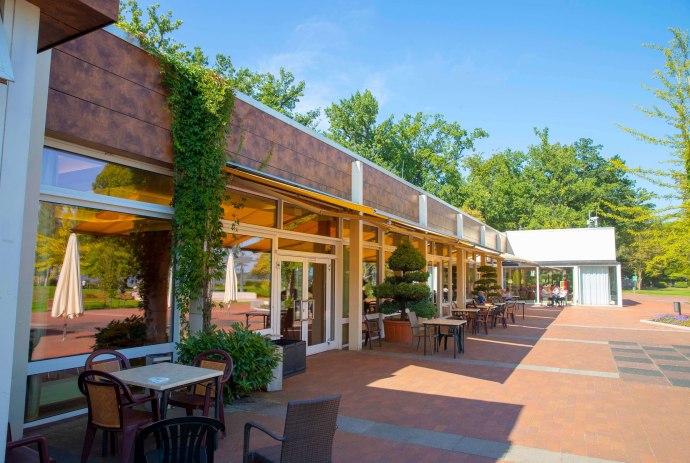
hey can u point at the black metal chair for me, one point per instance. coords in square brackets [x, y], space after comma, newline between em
[308, 436]
[187, 439]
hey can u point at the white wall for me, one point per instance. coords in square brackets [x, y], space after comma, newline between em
[565, 245]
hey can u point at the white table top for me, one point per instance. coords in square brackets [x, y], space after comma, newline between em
[466, 309]
[177, 375]
[444, 322]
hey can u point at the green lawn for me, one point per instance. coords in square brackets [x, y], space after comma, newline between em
[683, 292]
[93, 300]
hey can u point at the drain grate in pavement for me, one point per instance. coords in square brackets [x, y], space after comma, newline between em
[668, 362]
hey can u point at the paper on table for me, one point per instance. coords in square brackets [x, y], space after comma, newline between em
[158, 379]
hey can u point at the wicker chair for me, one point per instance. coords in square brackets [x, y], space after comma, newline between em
[202, 396]
[419, 331]
[481, 318]
[187, 439]
[110, 405]
[309, 429]
[20, 451]
[116, 362]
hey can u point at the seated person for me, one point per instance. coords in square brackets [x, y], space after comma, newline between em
[481, 297]
[562, 296]
[545, 293]
[555, 289]
[505, 295]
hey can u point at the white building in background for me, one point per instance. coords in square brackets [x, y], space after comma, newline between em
[589, 253]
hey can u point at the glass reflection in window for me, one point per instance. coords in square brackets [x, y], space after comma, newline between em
[301, 220]
[80, 173]
[250, 209]
[101, 280]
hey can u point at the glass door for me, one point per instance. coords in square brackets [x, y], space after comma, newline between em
[305, 301]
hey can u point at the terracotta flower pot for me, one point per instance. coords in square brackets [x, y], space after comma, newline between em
[397, 331]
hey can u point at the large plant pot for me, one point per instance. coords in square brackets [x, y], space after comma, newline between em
[397, 331]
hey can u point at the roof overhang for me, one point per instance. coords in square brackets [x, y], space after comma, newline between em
[65, 20]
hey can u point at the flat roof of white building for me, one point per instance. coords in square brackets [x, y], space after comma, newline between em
[567, 245]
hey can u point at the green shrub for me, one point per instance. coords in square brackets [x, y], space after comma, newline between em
[117, 334]
[260, 287]
[662, 285]
[680, 284]
[254, 356]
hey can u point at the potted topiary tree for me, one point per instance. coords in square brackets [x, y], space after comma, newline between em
[488, 281]
[407, 289]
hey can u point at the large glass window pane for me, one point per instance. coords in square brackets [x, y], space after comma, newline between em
[370, 276]
[370, 233]
[304, 246]
[244, 293]
[346, 281]
[301, 220]
[250, 209]
[123, 287]
[393, 238]
[80, 173]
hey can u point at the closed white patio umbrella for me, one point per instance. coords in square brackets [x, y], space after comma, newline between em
[67, 302]
[230, 281]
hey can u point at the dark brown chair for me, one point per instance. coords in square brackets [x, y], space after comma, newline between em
[308, 436]
[20, 451]
[370, 329]
[202, 396]
[511, 307]
[114, 361]
[187, 439]
[481, 318]
[499, 313]
[111, 405]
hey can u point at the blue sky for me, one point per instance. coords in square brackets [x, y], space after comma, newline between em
[505, 66]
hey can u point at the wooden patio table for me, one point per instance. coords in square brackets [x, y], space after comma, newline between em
[458, 333]
[165, 377]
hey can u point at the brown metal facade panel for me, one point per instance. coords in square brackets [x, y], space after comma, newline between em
[65, 20]
[490, 237]
[259, 139]
[78, 121]
[471, 230]
[387, 194]
[441, 217]
[119, 57]
[82, 80]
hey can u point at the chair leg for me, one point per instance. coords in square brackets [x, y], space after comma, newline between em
[88, 442]
[128, 436]
[221, 415]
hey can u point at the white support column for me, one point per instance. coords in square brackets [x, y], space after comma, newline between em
[619, 285]
[357, 182]
[22, 126]
[576, 285]
[538, 295]
[356, 299]
[461, 281]
[499, 271]
[422, 210]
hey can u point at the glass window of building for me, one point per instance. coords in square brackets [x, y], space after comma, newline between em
[79, 173]
[370, 275]
[370, 233]
[250, 209]
[101, 280]
[244, 291]
[393, 239]
[305, 246]
[301, 220]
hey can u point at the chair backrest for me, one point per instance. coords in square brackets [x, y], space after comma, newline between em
[105, 396]
[414, 322]
[187, 439]
[309, 429]
[113, 361]
[215, 359]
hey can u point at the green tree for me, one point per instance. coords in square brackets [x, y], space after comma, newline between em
[673, 108]
[421, 148]
[109, 260]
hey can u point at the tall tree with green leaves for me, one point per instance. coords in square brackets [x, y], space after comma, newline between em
[423, 149]
[673, 108]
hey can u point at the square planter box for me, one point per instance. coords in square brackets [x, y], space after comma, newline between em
[294, 356]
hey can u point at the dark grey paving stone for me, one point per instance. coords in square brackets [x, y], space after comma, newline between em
[659, 348]
[623, 343]
[681, 347]
[627, 351]
[640, 371]
[680, 382]
[679, 358]
[620, 358]
[675, 368]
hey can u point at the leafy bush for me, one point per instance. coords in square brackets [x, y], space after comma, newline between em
[117, 334]
[260, 287]
[680, 284]
[254, 357]
[662, 285]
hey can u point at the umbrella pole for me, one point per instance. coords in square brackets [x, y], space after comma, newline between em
[64, 330]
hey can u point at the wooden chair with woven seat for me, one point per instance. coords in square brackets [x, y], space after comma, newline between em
[114, 361]
[371, 329]
[419, 331]
[511, 307]
[499, 313]
[481, 318]
[110, 404]
[308, 436]
[186, 439]
[20, 451]
[202, 396]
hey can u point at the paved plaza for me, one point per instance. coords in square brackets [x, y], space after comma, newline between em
[577, 384]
